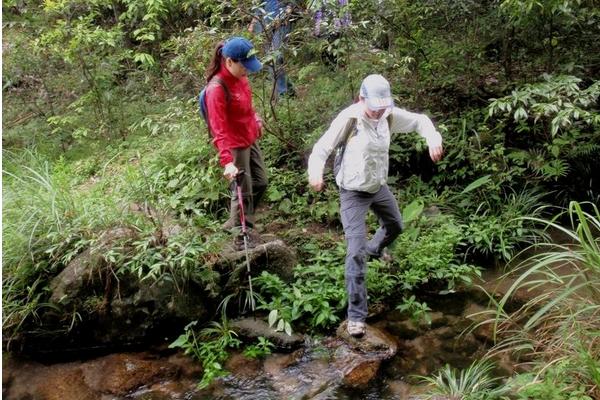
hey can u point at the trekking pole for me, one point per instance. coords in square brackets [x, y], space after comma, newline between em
[239, 178]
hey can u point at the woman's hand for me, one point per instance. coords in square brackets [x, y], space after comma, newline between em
[436, 153]
[259, 122]
[230, 171]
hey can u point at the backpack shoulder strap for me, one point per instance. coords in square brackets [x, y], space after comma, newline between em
[220, 82]
[390, 121]
[348, 129]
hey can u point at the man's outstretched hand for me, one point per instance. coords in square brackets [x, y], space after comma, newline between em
[316, 183]
[436, 153]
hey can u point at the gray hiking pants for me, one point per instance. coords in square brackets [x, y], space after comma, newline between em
[254, 184]
[353, 209]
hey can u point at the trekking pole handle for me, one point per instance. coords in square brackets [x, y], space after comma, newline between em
[239, 177]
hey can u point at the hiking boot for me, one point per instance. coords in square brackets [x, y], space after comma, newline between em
[233, 223]
[357, 329]
[229, 224]
[385, 256]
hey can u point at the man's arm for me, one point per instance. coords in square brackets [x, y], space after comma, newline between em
[404, 121]
[323, 148]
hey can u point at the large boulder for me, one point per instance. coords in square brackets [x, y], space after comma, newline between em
[87, 268]
[116, 307]
[110, 377]
[273, 256]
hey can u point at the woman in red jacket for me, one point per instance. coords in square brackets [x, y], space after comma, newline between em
[235, 126]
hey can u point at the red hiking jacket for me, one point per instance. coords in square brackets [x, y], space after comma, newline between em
[234, 123]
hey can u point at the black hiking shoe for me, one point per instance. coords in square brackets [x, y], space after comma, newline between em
[385, 256]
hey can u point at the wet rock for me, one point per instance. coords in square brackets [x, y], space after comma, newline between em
[31, 380]
[251, 329]
[188, 367]
[485, 332]
[449, 304]
[65, 384]
[377, 309]
[119, 374]
[401, 390]
[242, 366]
[276, 362]
[139, 309]
[124, 310]
[445, 333]
[403, 329]
[101, 378]
[168, 390]
[359, 374]
[482, 322]
[306, 381]
[359, 359]
[438, 319]
[375, 341]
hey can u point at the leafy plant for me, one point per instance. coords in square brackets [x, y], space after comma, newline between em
[427, 252]
[317, 294]
[554, 383]
[473, 383]
[259, 350]
[180, 259]
[418, 311]
[45, 225]
[209, 346]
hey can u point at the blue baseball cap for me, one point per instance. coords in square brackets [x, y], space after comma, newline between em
[240, 49]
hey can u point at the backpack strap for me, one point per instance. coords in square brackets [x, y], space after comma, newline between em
[351, 127]
[215, 80]
[348, 130]
[219, 81]
[341, 147]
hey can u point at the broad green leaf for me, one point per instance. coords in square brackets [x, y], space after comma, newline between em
[179, 342]
[272, 317]
[288, 328]
[412, 211]
[477, 183]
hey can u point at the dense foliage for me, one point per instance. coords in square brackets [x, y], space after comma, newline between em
[101, 130]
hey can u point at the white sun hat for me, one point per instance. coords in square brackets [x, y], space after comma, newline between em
[376, 91]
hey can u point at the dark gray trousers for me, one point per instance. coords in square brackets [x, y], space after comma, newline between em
[354, 206]
[254, 184]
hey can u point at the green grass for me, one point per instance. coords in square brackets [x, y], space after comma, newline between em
[560, 324]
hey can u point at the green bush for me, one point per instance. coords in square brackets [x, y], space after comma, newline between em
[316, 297]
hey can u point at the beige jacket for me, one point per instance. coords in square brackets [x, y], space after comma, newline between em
[366, 158]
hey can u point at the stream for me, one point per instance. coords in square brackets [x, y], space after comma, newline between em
[325, 368]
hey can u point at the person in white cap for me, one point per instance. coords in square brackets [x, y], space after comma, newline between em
[361, 172]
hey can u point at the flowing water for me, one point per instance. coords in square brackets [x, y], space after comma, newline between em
[314, 371]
